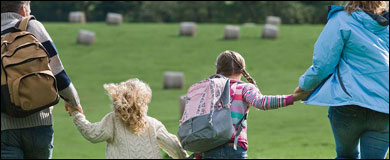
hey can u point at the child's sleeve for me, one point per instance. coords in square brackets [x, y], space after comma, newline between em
[253, 96]
[94, 132]
[169, 142]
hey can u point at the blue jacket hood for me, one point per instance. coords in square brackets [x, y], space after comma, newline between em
[362, 17]
[333, 9]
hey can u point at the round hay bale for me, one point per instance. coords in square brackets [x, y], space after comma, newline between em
[232, 32]
[86, 37]
[77, 17]
[249, 24]
[173, 80]
[187, 29]
[273, 20]
[114, 18]
[270, 31]
[182, 103]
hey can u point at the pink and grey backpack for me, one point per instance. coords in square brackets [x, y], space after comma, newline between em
[206, 122]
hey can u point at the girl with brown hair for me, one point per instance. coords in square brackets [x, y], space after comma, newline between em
[243, 95]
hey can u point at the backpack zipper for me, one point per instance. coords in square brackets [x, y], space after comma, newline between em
[24, 46]
[25, 61]
[20, 36]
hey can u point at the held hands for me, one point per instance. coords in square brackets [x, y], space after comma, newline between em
[300, 94]
[72, 109]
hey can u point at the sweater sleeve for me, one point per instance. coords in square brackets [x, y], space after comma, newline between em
[169, 142]
[66, 89]
[95, 132]
[253, 96]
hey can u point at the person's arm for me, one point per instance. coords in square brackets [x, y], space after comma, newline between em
[253, 96]
[169, 142]
[326, 55]
[65, 87]
[94, 132]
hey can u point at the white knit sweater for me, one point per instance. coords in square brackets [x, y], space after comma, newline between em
[122, 144]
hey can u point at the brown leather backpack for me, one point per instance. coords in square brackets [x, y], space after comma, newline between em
[27, 82]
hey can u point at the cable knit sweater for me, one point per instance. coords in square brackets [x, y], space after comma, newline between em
[122, 144]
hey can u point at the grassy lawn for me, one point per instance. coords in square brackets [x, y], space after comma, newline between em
[146, 51]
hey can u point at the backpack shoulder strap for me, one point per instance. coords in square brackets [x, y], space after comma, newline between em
[9, 30]
[24, 23]
[239, 126]
[21, 25]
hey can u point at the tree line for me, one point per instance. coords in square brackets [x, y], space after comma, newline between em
[235, 12]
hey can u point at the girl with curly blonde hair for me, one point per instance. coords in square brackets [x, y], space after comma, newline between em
[128, 131]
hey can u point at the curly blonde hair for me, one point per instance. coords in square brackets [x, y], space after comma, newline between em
[130, 102]
[369, 6]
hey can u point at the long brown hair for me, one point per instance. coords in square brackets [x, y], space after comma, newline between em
[230, 62]
[369, 6]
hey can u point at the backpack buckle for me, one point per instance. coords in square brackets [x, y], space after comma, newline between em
[37, 44]
[6, 46]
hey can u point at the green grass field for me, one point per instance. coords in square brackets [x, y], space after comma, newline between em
[146, 51]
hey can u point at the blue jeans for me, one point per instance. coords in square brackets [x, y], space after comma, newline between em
[359, 132]
[225, 152]
[28, 143]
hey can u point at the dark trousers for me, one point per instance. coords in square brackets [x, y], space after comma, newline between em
[359, 132]
[28, 143]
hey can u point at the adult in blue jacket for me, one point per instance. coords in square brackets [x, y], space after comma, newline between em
[350, 73]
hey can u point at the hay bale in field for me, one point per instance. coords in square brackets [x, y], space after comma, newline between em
[182, 103]
[232, 32]
[270, 31]
[188, 29]
[173, 80]
[86, 37]
[114, 18]
[77, 17]
[273, 20]
[249, 24]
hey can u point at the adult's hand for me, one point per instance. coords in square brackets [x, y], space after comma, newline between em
[300, 94]
[72, 109]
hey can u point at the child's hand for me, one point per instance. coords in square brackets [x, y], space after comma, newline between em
[300, 95]
[72, 109]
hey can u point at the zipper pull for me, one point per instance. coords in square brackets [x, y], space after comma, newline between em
[6, 46]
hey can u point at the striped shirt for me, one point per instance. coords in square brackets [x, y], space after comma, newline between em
[65, 86]
[244, 95]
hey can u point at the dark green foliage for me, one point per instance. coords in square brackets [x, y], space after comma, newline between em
[291, 12]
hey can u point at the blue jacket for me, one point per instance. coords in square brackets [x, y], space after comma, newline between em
[350, 63]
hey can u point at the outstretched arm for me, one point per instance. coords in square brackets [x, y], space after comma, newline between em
[169, 142]
[65, 86]
[93, 132]
[253, 96]
[326, 55]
